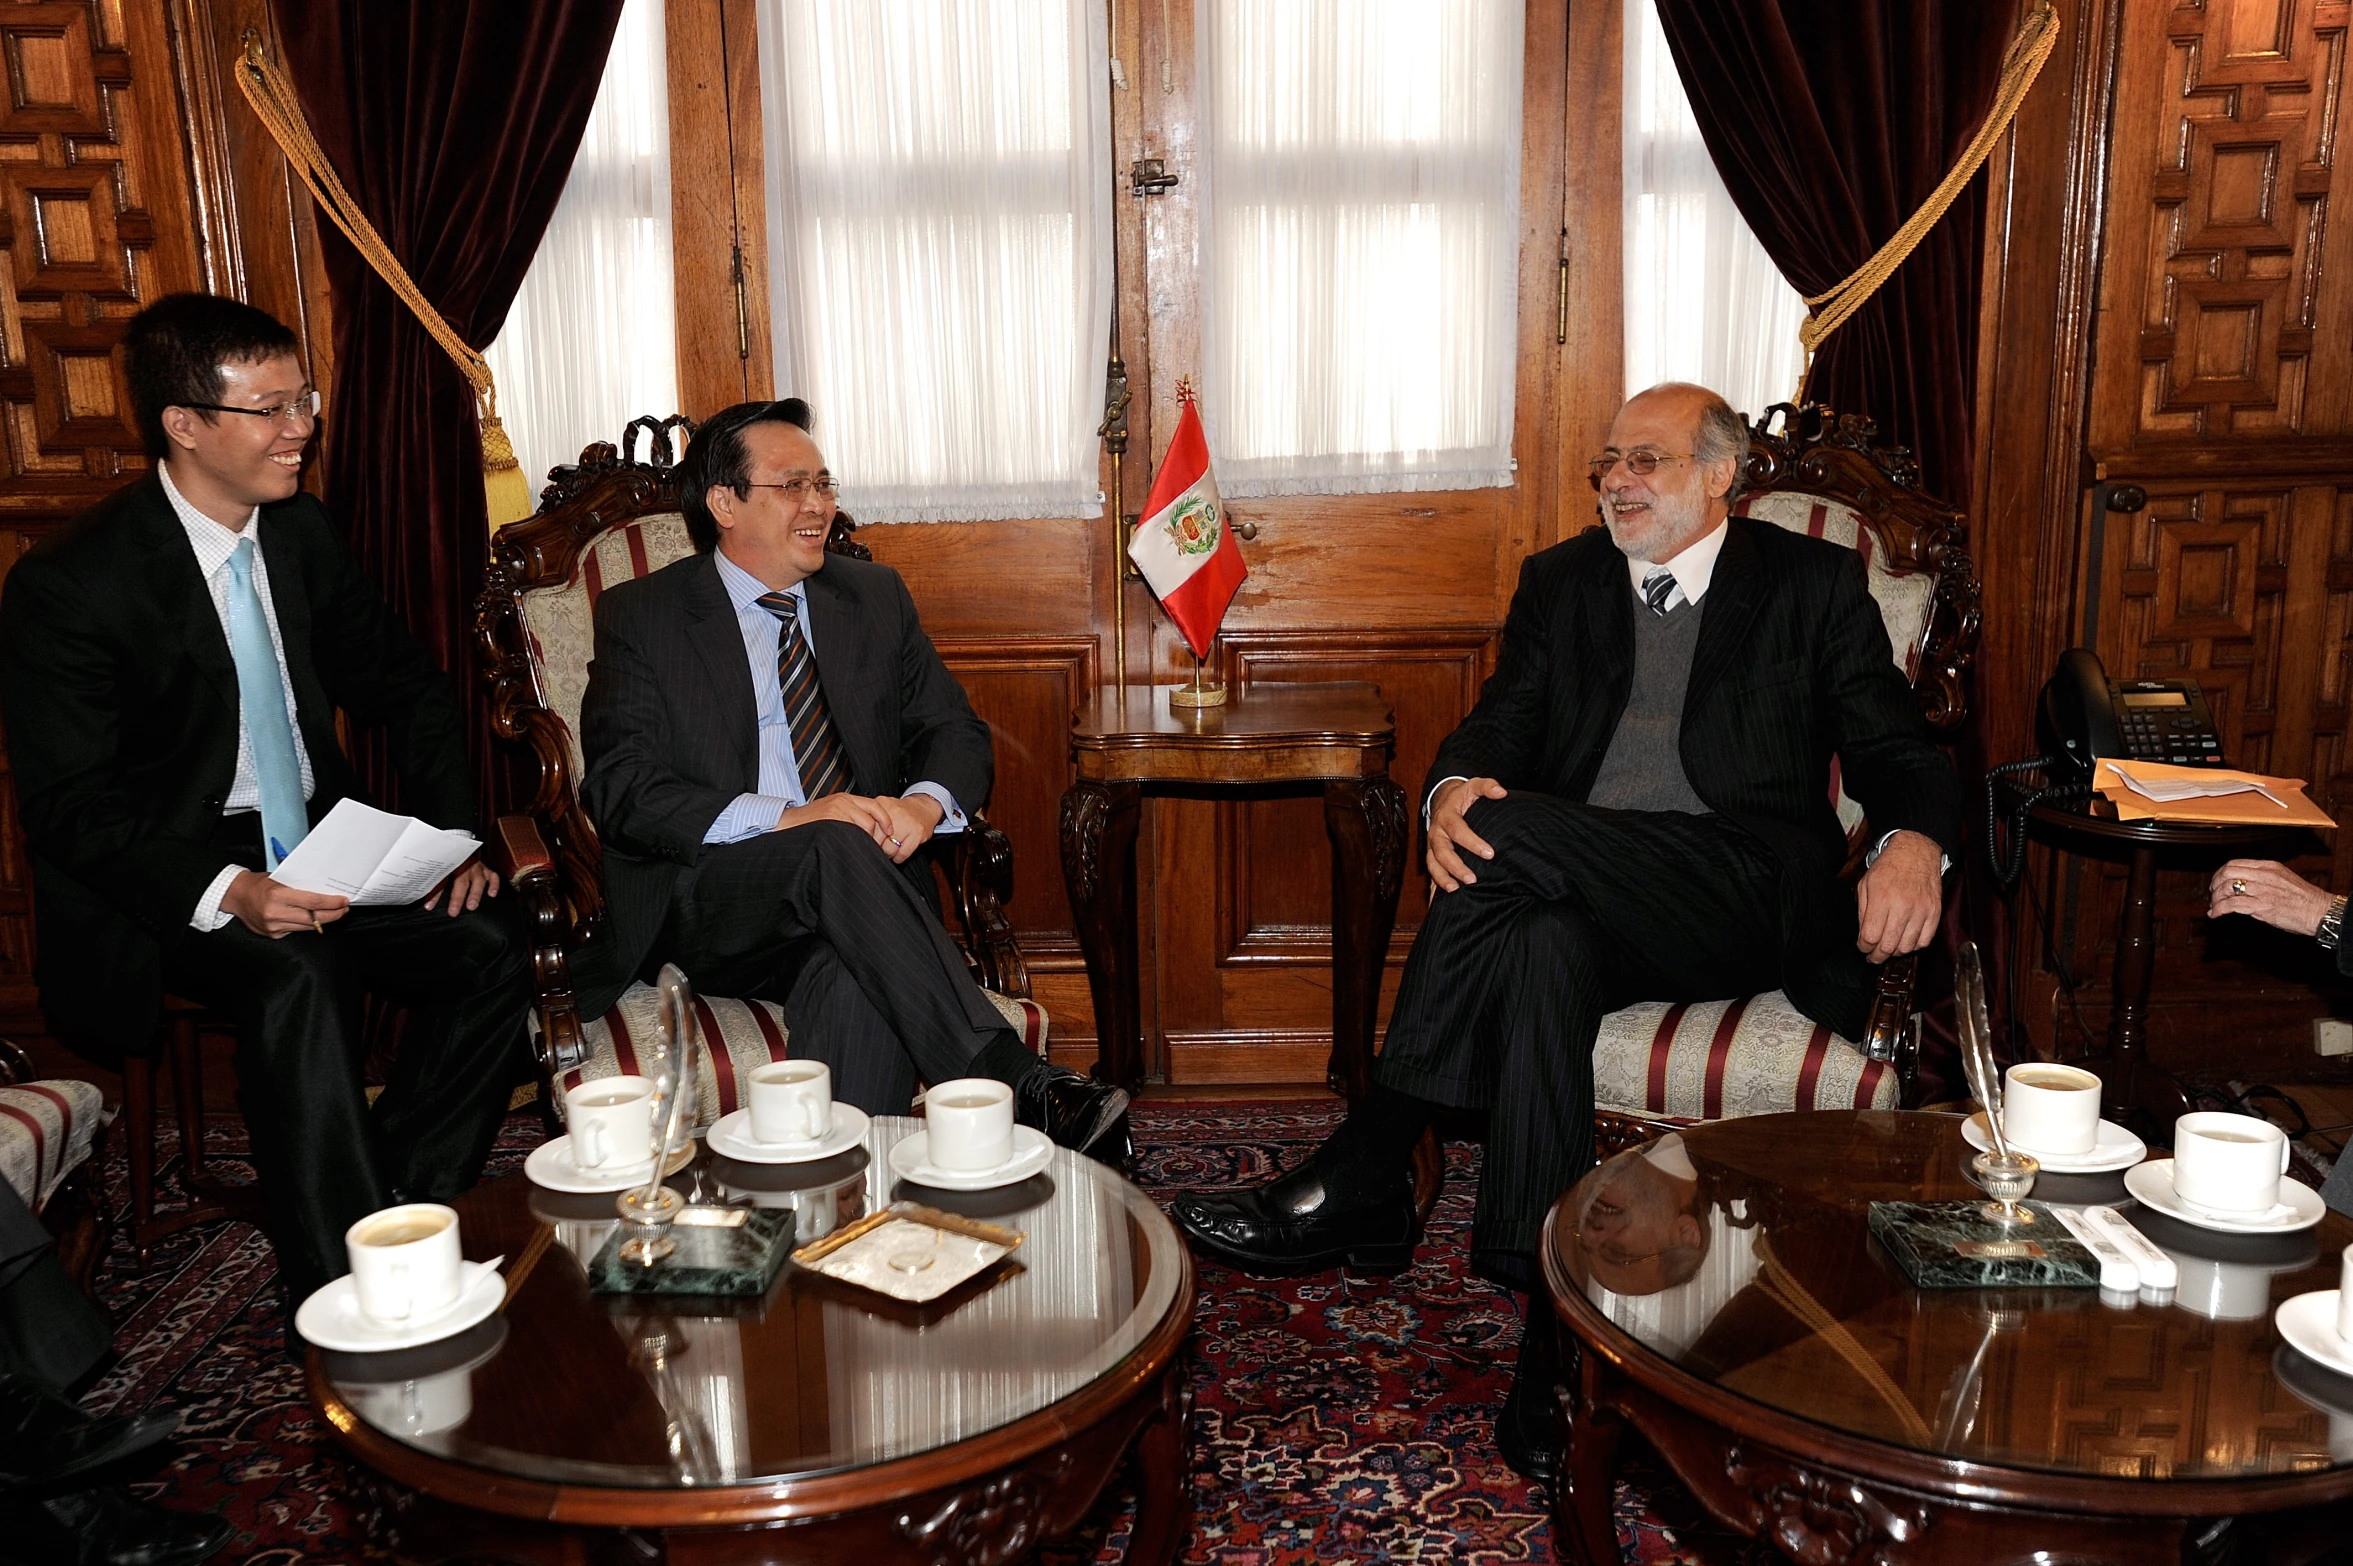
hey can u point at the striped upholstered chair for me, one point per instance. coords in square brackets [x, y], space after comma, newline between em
[50, 1134]
[610, 519]
[1826, 476]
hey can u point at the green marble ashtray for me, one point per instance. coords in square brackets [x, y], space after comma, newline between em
[1953, 1245]
[739, 1263]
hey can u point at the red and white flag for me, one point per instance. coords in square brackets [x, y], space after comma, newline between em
[1183, 547]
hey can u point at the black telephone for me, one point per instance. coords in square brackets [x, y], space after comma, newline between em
[2083, 716]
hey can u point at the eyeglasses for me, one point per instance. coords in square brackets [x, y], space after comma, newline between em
[299, 411]
[1642, 464]
[798, 491]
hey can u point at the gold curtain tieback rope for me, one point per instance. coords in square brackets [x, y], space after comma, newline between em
[2022, 62]
[266, 87]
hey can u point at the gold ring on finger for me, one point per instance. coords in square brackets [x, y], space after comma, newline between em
[2238, 889]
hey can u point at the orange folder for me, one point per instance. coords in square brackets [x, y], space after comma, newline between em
[2243, 809]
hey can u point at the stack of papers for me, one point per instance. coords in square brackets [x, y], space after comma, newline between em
[376, 859]
[2151, 790]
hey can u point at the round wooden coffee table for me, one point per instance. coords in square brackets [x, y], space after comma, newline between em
[1734, 1310]
[817, 1423]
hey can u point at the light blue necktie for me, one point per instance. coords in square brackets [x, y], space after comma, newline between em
[276, 774]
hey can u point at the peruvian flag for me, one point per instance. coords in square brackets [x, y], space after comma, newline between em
[1183, 546]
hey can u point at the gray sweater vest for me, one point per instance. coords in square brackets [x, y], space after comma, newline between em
[1643, 769]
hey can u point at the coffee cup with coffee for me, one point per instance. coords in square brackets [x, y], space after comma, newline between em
[405, 1262]
[2228, 1163]
[970, 1124]
[2051, 1109]
[612, 1122]
[791, 1101]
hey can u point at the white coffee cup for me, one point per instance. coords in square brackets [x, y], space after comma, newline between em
[970, 1124]
[791, 1101]
[423, 1407]
[2345, 1296]
[405, 1262]
[612, 1122]
[2049, 1108]
[2228, 1163]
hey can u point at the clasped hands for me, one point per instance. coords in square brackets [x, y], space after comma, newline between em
[898, 826]
[272, 908]
[1897, 902]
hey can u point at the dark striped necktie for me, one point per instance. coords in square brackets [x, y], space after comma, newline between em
[817, 748]
[1658, 585]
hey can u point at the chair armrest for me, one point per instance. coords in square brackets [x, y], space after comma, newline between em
[521, 855]
[979, 866]
[1893, 1036]
[16, 1067]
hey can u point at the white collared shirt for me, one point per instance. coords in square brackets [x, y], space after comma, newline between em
[214, 544]
[1692, 569]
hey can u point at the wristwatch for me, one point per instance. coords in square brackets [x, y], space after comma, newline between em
[2332, 926]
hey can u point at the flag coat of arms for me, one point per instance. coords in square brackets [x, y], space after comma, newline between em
[1183, 547]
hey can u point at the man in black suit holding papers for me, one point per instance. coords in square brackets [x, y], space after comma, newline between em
[174, 660]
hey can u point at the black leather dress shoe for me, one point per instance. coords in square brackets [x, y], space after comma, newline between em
[45, 1438]
[1527, 1432]
[108, 1527]
[1078, 1112]
[1307, 1221]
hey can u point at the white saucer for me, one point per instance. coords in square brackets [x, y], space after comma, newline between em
[2300, 1208]
[2116, 1149]
[330, 1318]
[2309, 1322]
[1031, 1151]
[731, 1136]
[550, 1164]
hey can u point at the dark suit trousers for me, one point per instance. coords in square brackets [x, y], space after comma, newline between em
[325, 1158]
[1581, 911]
[817, 919]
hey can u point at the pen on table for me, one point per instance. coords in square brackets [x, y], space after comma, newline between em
[278, 851]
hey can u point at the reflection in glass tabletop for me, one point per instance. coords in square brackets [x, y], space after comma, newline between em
[817, 1376]
[1739, 1251]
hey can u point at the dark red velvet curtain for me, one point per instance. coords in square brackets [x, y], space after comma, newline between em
[1831, 121]
[454, 126]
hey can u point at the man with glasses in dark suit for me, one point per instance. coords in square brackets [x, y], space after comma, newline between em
[175, 661]
[1638, 808]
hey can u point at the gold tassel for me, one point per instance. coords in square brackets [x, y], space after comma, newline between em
[505, 489]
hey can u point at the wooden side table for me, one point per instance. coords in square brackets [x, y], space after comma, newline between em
[1340, 736]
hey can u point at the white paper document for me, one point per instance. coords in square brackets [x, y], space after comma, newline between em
[376, 859]
[2169, 789]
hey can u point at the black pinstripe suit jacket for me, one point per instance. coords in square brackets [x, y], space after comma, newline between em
[670, 730]
[1793, 667]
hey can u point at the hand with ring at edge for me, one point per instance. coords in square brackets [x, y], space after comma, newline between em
[2266, 890]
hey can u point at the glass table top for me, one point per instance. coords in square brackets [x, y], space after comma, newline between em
[1740, 1252]
[817, 1376]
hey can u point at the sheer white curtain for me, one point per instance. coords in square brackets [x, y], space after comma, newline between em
[1359, 251]
[1703, 301]
[592, 339]
[939, 227]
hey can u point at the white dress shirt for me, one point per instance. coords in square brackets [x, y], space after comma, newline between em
[780, 790]
[214, 544]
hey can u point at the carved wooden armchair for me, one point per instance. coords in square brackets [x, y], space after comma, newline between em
[610, 519]
[1822, 474]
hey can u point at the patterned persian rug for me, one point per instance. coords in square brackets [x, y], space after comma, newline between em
[1335, 1419]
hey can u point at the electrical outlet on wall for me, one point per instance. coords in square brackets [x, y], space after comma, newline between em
[2332, 1036]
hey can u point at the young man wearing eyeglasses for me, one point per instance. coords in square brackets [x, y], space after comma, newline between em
[175, 660]
[770, 739]
[1638, 808]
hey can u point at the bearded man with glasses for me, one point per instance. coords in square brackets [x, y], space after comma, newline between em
[1638, 808]
[175, 661]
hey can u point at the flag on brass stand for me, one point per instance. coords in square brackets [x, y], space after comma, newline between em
[1183, 547]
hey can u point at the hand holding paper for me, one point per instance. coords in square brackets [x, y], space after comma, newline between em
[376, 859]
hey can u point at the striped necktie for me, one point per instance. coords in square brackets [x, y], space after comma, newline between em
[817, 749]
[1658, 585]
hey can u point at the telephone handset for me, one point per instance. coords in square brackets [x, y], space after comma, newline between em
[2084, 716]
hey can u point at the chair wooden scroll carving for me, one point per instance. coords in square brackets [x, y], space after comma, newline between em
[609, 518]
[1824, 474]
